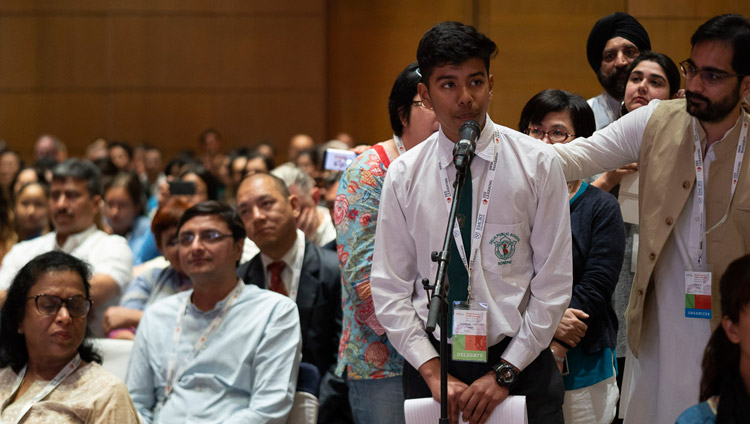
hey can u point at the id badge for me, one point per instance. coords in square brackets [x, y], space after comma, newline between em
[697, 294]
[469, 342]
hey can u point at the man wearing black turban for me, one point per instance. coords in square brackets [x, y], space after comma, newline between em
[614, 41]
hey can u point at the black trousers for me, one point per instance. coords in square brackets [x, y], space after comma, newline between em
[540, 382]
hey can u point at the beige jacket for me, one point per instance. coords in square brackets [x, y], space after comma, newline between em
[667, 176]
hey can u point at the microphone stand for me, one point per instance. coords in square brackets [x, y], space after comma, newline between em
[439, 293]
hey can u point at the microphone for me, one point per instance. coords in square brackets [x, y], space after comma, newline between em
[463, 151]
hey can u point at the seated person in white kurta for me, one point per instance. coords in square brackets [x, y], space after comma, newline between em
[75, 195]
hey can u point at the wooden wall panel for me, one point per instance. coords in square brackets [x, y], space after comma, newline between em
[369, 43]
[162, 71]
[18, 41]
[692, 9]
[541, 45]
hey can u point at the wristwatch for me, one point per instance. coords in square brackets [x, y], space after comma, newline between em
[506, 375]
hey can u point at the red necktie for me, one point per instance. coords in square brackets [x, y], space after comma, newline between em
[277, 285]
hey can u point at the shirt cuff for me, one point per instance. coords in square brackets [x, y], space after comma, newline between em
[420, 352]
[518, 355]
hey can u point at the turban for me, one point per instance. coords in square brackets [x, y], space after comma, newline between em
[617, 24]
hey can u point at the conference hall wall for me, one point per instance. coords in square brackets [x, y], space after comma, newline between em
[542, 44]
[161, 70]
[164, 70]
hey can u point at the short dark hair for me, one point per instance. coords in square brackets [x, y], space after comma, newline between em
[132, 184]
[452, 43]
[80, 169]
[266, 160]
[212, 183]
[39, 177]
[125, 146]
[225, 212]
[547, 101]
[667, 65]
[732, 29]
[721, 359]
[312, 154]
[402, 94]
[41, 183]
[12, 344]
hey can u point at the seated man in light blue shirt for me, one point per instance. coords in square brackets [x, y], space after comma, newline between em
[224, 352]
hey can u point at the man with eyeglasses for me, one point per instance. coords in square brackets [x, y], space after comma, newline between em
[75, 197]
[613, 43]
[292, 266]
[224, 352]
[694, 213]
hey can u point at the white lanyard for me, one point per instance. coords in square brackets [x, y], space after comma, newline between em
[700, 190]
[174, 375]
[481, 216]
[399, 144]
[52, 385]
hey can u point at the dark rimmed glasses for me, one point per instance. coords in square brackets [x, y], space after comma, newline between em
[49, 304]
[707, 76]
[555, 135]
[208, 237]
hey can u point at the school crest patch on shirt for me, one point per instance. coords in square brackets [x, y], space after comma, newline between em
[505, 247]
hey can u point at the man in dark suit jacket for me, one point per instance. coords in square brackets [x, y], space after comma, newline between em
[291, 265]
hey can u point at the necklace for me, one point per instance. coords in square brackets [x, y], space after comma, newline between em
[573, 187]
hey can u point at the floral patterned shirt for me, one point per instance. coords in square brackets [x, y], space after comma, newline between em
[364, 350]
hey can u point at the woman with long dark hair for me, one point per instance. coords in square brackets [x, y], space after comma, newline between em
[725, 385]
[49, 371]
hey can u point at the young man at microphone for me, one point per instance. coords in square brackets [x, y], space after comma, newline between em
[510, 264]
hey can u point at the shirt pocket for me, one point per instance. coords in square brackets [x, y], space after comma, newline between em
[506, 251]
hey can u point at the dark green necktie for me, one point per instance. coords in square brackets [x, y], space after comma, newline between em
[458, 277]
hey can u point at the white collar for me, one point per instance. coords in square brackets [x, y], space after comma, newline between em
[484, 148]
[289, 258]
[75, 240]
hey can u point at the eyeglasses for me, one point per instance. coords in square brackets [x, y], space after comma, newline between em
[689, 70]
[207, 237]
[48, 304]
[554, 135]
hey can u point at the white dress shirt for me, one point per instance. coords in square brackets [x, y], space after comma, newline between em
[106, 254]
[293, 261]
[606, 109]
[527, 295]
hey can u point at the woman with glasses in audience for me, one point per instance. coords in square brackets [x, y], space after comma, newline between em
[584, 341]
[154, 283]
[725, 385]
[31, 210]
[48, 370]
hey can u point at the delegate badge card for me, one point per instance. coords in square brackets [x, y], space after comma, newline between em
[469, 332]
[697, 294]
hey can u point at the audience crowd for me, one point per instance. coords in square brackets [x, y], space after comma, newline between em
[254, 291]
